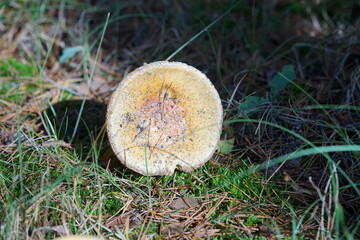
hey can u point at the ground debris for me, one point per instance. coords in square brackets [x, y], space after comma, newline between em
[184, 203]
[173, 229]
[124, 221]
[46, 144]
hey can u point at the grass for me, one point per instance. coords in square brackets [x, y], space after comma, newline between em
[288, 74]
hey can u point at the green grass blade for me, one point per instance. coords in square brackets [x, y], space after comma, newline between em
[325, 154]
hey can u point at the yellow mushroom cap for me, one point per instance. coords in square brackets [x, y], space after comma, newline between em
[163, 116]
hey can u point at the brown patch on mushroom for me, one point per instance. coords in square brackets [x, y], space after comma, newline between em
[162, 116]
[161, 122]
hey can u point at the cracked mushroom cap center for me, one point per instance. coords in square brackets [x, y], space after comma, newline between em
[161, 121]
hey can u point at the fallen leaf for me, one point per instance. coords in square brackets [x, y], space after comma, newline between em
[121, 221]
[279, 82]
[184, 203]
[226, 146]
[118, 221]
[205, 233]
[251, 105]
[266, 231]
[173, 229]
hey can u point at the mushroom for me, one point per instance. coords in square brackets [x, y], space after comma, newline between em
[162, 116]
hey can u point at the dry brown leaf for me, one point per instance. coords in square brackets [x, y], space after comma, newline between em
[266, 231]
[122, 220]
[204, 233]
[184, 203]
[173, 229]
[118, 221]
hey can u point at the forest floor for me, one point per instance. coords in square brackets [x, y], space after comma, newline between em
[288, 74]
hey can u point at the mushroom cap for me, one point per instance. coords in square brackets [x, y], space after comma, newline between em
[162, 116]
